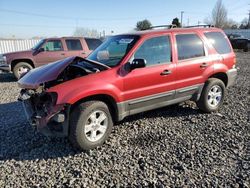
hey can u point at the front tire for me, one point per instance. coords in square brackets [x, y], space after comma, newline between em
[90, 125]
[21, 68]
[212, 95]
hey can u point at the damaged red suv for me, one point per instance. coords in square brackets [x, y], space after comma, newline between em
[128, 74]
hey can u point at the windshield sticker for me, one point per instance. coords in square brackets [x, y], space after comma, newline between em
[125, 41]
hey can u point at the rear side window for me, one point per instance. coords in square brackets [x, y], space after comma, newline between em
[155, 51]
[93, 43]
[73, 44]
[219, 42]
[189, 46]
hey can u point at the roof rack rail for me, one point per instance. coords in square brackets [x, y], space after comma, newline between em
[164, 26]
[204, 25]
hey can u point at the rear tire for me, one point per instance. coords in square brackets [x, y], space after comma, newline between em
[90, 125]
[21, 68]
[212, 95]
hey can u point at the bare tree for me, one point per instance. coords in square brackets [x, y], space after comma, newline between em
[219, 15]
[85, 32]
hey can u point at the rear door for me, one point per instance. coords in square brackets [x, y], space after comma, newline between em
[74, 47]
[149, 87]
[53, 51]
[192, 63]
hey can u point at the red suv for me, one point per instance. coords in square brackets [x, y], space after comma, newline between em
[128, 74]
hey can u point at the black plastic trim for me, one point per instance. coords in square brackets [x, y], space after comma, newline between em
[142, 104]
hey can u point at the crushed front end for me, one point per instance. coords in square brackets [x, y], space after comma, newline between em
[43, 113]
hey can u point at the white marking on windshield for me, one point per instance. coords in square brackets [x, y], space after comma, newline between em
[125, 41]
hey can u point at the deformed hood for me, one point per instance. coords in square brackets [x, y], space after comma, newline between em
[46, 73]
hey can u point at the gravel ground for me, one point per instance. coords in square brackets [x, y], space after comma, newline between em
[176, 146]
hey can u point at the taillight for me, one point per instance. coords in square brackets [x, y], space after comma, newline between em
[234, 61]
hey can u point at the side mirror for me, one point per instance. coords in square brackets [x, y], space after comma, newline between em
[37, 51]
[137, 63]
[41, 50]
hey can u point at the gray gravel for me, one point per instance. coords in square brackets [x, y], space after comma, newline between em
[176, 146]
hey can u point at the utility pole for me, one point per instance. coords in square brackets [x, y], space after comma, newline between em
[182, 12]
[248, 25]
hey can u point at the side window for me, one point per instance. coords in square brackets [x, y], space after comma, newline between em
[155, 51]
[189, 46]
[73, 44]
[53, 45]
[93, 43]
[219, 42]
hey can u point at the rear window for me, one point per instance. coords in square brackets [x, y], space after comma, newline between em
[93, 43]
[73, 44]
[219, 42]
[189, 46]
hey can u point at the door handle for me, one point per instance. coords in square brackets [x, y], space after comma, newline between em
[203, 65]
[83, 52]
[166, 72]
[62, 53]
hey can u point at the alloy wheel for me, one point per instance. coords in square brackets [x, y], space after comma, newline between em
[214, 96]
[96, 125]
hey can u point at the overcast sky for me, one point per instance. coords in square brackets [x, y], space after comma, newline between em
[28, 18]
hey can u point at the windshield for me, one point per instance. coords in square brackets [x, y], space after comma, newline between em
[113, 50]
[38, 44]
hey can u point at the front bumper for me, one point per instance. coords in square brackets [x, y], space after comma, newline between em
[5, 67]
[231, 75]
[52, 122]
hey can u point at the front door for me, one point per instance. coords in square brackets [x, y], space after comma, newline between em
[52, 51]
[151, 86]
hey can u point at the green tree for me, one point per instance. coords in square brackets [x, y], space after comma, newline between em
[143, 25]
[176, 22]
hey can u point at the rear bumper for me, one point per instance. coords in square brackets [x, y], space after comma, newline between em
[5, 67]
[232, 75]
